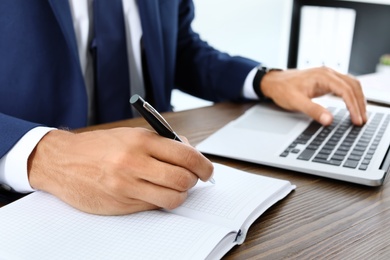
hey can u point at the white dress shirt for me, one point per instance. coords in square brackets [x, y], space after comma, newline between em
[13, 166]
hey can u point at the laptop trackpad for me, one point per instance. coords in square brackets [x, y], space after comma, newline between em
[267, 120]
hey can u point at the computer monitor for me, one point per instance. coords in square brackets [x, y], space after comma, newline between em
[370, 38]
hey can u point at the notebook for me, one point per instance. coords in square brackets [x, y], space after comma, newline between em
[268, 135]
[376, 87]
[212, 220]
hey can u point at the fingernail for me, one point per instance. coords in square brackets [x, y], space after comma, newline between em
[361, 121]
[212, 178]
[325, 119]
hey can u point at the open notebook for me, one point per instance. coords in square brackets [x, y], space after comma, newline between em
[268, 135]
[213, 219]
[376, 87]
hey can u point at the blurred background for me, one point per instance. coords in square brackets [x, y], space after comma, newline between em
[349, 36]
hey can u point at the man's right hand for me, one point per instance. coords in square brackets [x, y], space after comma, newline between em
[294, 90]
[116, 171]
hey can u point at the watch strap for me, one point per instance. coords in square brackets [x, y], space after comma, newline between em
[261, 71]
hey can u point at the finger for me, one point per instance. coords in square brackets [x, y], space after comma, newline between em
[182, 155]
[123, 207]
[127, 188]
[184, 139]
[342, 89]
[158, 196]
[316, 111]
[358, 91]
[169, 176]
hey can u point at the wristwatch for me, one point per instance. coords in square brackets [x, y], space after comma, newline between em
[261, 71]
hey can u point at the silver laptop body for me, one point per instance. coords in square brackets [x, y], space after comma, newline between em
[268, 135]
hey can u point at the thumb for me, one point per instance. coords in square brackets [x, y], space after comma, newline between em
[317, 112]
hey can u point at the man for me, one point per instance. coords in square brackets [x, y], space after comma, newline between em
[50, 79]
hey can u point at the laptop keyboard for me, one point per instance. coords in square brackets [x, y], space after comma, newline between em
[341, 143]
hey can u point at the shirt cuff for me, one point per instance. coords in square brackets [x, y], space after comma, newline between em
[248, 91]
[13, 165]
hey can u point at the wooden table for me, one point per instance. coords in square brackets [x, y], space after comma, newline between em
[321, 219]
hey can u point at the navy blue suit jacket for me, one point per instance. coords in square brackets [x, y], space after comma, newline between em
[40, 75]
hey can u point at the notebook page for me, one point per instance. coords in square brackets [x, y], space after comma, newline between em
[376, 87]
[234, 196]
[40, 226]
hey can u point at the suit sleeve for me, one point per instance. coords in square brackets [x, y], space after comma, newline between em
[11, 130]
[204, 71]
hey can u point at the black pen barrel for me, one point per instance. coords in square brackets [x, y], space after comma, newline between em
[138, 103]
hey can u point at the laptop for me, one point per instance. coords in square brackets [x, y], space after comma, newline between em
[268, 135]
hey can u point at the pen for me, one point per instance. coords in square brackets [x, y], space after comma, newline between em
[155, 120]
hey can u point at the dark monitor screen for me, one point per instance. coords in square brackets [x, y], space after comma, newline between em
[371, 36]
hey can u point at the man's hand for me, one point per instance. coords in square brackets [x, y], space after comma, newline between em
[117, 171]
[294, 89]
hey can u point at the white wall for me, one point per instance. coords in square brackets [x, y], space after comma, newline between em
[258, 29]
